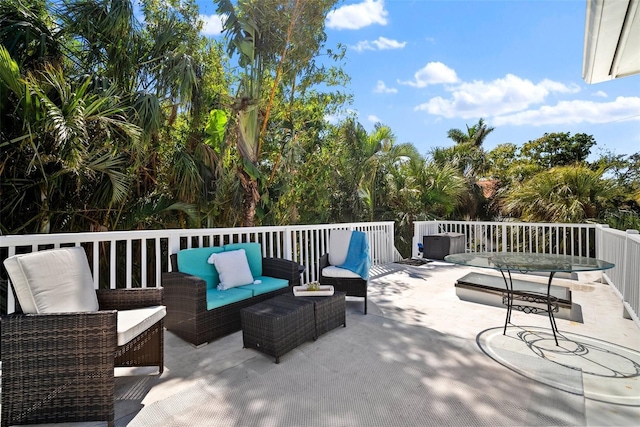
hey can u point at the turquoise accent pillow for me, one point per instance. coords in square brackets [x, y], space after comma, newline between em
[254, 255]
[194, 262]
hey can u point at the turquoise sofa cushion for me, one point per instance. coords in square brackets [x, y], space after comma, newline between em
[194, 262]
[268, 284]
[216, 298]
[254, 255]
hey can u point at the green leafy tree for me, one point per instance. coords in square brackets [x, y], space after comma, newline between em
[558, 149]
[89, 74]
[272, 39]
[385, 157]
[300, 147]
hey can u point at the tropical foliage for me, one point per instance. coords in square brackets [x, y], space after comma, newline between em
[115, 120]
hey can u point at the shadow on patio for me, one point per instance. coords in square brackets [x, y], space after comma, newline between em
[412, 361]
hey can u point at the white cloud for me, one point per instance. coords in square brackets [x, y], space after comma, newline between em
[211, 25]
[601, 94]
[489, 99]
[363, 45]
[373, 119]
[333, 119]
[382, 43]
[382, 88]
[575, 112]
[430, 74]
[558, 87]
[356, 16]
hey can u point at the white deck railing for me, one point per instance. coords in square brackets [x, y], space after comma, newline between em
[570, 239]
[125, 259]
[138, 258]
[592, 240]
[623, 249]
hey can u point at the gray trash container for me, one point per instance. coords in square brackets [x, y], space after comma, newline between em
[438, 246]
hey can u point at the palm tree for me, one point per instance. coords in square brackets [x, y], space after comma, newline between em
[60, 155]
[421, 190]
[469, 157]
[149, 72]
[475, 135]
[570, 194]
[27, 33]
[383, 156]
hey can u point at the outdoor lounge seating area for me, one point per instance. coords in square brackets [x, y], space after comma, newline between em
[421, 354]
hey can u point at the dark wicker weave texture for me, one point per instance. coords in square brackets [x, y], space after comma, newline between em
[329, 311]
[351, 286]
[59, 367]
[277, 326]
[147, 349]
[186, 300]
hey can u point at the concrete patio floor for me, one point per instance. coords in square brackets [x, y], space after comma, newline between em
[401, 297]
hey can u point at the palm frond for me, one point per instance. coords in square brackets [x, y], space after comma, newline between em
[114, 168]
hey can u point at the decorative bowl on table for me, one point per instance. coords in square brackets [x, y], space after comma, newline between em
[313, 289]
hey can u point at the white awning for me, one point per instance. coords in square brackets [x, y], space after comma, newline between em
[611, 40]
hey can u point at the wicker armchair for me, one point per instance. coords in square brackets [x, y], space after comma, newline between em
[59, 366]
[342, 280]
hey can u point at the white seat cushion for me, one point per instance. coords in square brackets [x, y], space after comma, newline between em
[132, 323]
[339, 246]
[332, 271]
[53, 281]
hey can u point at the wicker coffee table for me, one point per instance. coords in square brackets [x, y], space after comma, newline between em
[277, 325]
[280, 324]
[329, 311]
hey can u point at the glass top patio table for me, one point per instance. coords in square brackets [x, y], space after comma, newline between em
[522, 262]
[529, 262]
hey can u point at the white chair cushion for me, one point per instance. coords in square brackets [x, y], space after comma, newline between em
[53, 281]
[132, 323]
[339, 246]
[233, 269]
[332, 271]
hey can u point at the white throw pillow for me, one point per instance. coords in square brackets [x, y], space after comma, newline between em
[339, 246]
[233, 269]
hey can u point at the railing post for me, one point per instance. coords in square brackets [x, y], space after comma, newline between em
[504, 238]
[173, 243]
[599, 240]
[627, 293]
[392, 244]
[414, 242]
[288, 247]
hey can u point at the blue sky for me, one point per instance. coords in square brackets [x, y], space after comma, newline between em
[423, 67]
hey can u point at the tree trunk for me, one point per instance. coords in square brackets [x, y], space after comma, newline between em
[251, 198]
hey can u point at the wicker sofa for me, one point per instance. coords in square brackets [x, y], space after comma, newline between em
[188, 297]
